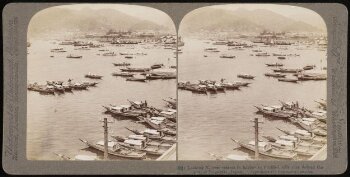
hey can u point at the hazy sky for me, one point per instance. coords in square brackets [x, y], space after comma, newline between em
[294, 12]
[142, 12]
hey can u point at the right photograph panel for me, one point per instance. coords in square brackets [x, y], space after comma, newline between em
[252, 83]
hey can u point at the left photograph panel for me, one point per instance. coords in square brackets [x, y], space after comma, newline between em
[101, 83]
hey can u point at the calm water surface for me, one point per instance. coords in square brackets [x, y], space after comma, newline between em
[56, 122]
[208, 122]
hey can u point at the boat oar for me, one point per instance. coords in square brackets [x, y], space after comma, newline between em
[283, 131]
[133, 131]
[235, 142]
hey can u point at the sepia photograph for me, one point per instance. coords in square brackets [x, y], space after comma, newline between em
[101, 83]
[175, 88]
[252, 83]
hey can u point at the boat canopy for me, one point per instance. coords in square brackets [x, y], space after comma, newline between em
[137, 137]
[169, 113]
[157, 122]
[285, 142]
[288, 137]
[158, 118]
[319, 113]
[302, 132]
[289, 103]
[151, 131]
[260, 144]
[133, 142]
[277, 107]
[202, 86]
[171, 110]
[117, 108]
[126, 106]
[268, 108]
[110, 143]
[138, 102]
[309, 119]
[307, 122]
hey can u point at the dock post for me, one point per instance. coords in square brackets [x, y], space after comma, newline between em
[105, 154]
[256, 138]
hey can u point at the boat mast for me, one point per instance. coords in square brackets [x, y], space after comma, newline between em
[105, 127]
[256, 138]
[256, 127]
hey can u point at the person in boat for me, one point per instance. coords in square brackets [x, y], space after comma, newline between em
[69, 80]
[145, 103]
[222, 80]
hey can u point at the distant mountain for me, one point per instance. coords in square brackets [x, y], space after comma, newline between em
[57, 19]
[241, 20]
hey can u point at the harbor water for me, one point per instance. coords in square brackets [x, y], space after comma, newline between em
[208, 122]
[56, 122]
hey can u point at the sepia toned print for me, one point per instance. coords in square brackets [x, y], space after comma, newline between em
[101, 84]
[252, 78]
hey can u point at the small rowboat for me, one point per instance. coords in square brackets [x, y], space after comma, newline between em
[74, 56]
[136, 79]
[78, 86]
[135, 69]
[93, 76]
[123, 74]
[245, 76]
[227, 56]
[316, 77]
[154, 77]
[122, 64]
[288, 80]
[275, 75]
[120, 111]
[309, 67]
[90, 84]
[156, 66]
[283, 70]
[109, 54]
[274, 64]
